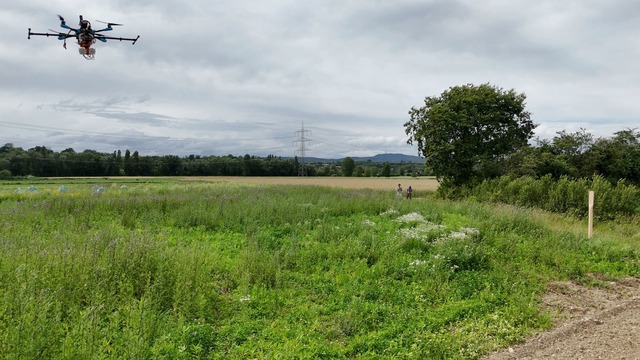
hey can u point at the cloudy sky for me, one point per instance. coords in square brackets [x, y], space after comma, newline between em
[243, 77]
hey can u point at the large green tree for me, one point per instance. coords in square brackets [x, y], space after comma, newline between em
[348, 166]
[466, 132]
[619, 157]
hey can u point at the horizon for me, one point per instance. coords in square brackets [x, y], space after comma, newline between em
[122, 151]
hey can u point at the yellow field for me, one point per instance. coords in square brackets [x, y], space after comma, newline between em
[383, 183]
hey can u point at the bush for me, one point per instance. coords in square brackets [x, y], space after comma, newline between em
[565, 195]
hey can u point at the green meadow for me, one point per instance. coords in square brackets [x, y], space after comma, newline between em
[170, 270]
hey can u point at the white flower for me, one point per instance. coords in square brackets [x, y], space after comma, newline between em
[246, 298]
[412, 233]
[417, 262]
[470, 231]
[423, 231]
[457, 235]
[389, 212]
[411, 217]
[368, 222]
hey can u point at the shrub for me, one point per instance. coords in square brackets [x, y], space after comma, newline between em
[565, 195]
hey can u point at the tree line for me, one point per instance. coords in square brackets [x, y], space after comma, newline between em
[579, 155]
[471, 133]
[41, 161]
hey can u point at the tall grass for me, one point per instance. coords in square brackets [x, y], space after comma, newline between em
[218, 271]
[567, 196]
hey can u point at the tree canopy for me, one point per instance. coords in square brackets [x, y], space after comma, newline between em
[468, 130]
[44, 162]
[579, 155]
[348, 166]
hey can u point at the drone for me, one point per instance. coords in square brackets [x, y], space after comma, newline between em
[84, 35]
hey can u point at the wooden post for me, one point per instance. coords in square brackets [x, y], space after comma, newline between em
[591, 201]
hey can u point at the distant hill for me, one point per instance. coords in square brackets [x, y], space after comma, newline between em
[380, 158]
[391, 158]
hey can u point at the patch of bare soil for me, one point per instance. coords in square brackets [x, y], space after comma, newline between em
[591, 323]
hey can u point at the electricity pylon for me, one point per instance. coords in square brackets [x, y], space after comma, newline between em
[301, 143]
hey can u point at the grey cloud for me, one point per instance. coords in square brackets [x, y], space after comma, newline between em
[237, 76]
[136, 118]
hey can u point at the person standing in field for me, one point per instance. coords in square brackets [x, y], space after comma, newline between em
[399, 191]
[409, 191]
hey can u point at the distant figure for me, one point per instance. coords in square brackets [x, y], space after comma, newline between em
[399, 191]
[409, 191]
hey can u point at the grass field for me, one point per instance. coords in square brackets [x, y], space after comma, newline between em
[218, 269]
[421, 184]
[376, 183]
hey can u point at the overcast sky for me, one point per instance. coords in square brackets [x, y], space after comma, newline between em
[242, 77]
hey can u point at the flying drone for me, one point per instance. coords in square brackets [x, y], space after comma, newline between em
[85, 36]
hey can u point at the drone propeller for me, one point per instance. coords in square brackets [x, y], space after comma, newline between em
[61, 18]
[60, 33]
[109, 24]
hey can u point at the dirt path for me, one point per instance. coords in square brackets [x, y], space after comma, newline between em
[592, 323]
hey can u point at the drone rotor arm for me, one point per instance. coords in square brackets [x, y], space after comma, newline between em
[105, 38]
[59, 35]
[64, 25]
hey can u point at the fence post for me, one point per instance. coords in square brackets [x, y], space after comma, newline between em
[591, 201]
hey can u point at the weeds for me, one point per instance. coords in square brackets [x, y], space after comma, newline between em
[216, 271]
[564, 196]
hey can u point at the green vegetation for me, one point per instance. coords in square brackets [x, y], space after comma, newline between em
[40, 161]
[578, 156]
[224, 271]
[564, 196]
[467, 130]
[348, 166]
[470, 134]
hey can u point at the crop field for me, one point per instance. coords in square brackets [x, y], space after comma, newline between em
[214, 268]
[376, 183]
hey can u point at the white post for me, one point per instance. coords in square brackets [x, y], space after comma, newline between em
[591, 201]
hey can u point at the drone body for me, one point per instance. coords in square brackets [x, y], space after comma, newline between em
[85, 36]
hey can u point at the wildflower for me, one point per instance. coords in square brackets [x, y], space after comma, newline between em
[442, 238]
[411, 233]
[368, 222]
[411, 217]
[470, 231]
[389, 212]
[457, 235]
[417, 262]
[424, 231]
